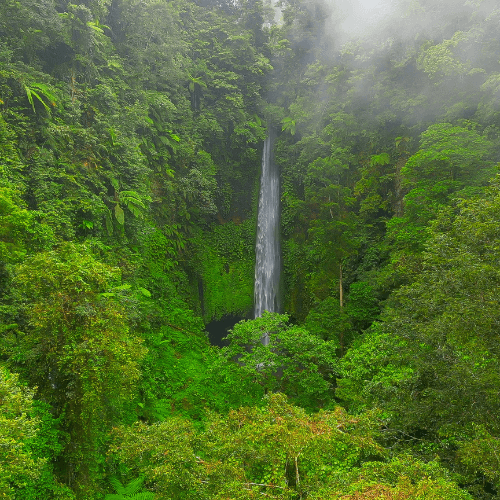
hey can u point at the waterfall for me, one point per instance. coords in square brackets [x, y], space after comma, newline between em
[267, 248]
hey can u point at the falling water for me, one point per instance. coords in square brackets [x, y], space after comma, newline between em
[267, 248]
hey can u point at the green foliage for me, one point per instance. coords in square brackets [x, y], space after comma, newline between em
[130, 491]
[401, 478]
[480, 454]
[35, 90]
[362, 305]
[330, 321]
[9, 155]
[450, 155]
[227, 385]
[46, 445]
[294, 362]
[132, 200]
[226, 269]
[327, 321]
[163, 453]
[432, 362]
[173, 370]
[288, 124]
[444, 59]
[278, 450]
[76, 341]
[18, 464]
[20, 229]
[130, 143]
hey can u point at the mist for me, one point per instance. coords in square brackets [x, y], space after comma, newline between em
[375, 21]
[359, 16]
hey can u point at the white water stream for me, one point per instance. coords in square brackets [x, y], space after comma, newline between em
[267, 248]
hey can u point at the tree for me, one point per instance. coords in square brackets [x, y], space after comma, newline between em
[433, 360]
[400, 478]
[74, 341]
[17, 427]
[278, 450]
[329, 321]
[449, 156]
[294, 362]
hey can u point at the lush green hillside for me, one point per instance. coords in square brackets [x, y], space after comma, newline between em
[131, 133]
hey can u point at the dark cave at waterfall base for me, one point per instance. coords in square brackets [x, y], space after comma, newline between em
[218, 329]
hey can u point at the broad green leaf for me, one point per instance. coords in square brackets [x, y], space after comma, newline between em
[119, 214]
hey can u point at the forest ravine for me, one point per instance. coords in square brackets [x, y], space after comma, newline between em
[131, 141]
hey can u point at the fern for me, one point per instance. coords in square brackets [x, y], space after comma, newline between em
[145, 495]
[130, 491]
[44, 91]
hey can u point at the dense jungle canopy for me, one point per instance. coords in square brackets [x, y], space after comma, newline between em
[131, 136]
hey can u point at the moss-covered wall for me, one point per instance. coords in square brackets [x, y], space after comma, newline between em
[225, 264]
